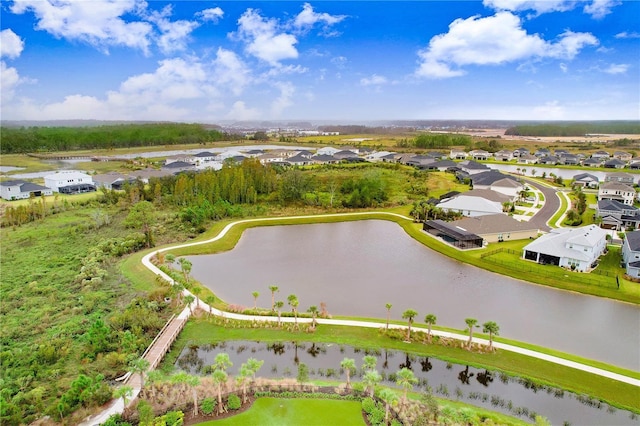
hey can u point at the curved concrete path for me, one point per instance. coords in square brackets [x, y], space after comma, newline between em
[146, 260]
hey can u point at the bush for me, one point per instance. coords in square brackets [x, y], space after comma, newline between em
[234, 402]
[376, 417]
[207, 406]
[368, 405]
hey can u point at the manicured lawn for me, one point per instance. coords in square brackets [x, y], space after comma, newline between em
[281, 412]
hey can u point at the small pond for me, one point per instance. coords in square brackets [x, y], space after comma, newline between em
[491, 390]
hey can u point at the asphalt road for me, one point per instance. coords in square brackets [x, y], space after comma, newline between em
[551, 205]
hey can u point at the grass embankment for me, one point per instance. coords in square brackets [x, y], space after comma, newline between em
[200, 332]
[281, 411]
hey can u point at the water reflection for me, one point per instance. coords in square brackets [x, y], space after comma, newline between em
[493, 390]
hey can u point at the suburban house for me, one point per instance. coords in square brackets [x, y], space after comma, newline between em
[442, 165]
[618, 216]
[269, 157]
[457, 154]
[592, 162]
[146, 174]
[112, 180]
[626, 178]
[204, 157]
[471, 167]
[299, 160]
[585, 180]
[504, 155]
[631, 254]
[327, 150]
[20, 189]
[617, 191]
[495, 228]
[601, 155]
[376, 157]
[178, 167]
[519, 152]
[614, 163]
[623, 156]
[527, 159]
[496, 181]
[471, 206]
[69, 182]
[480, 154]
[542, 152]
[569, 160]
[489, 195]
[634, 163]
[324, 159]
[575, 248]
[549, 159]
[452, 234]
[186, 158]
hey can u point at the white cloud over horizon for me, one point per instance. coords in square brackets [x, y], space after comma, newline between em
[11, 45]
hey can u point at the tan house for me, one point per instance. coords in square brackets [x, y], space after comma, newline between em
[496, 228]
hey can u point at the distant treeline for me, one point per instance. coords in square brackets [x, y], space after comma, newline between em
[575, 129]
[435, 141]
[354, 129]
[52, 139]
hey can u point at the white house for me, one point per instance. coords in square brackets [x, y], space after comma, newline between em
[471, 206]
[20, 189]
[617, 191]
[327, 150]
[575, 248]
[631, 254]
[63, 179]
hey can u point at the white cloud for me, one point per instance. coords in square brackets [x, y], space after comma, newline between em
[239, 111]
[563, 67]
[230, 72]
[339, 61]
[174, 35]
[98, 22]
[9, 80]
[374, 80]
[598, 9]
[263, 38]
[539, 6]
[284, 100]
[616, 69]
[551, 110]
[492, 40]
[213, 14]
[306, 19]
[10, 44]
[626, 34]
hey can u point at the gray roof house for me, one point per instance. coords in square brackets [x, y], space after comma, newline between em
[616, 215]
[592, 162]
[574, 248]
[472, 167]
[631, 254]
[496, 228]
[614, 163]
[20, 190]
[471, 206]
[620, 177]
[603, 155]
[617, 191]
[496, 181]
[586, 180]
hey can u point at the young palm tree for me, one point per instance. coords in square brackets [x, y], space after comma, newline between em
[471, 322]
[388, 306]
[210, 300]
[222, 362]
[371, 378]
[169, 259]
[279, 304]
[292, 299]
[369, 363]
[219, 378]
[313, 310]
[255, 295]
[242, 378]
[197, 291]
[430, 320]
[139, 366]
[390, 398]
[254, 365]
[349, 367]
[189, 299]
[493, 329]
[124, 392]
[409, 315]
[193, 382]
[185, 266]
[406, 379]
[273, 289]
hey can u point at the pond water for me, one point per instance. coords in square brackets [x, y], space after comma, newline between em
[565, 174]
[358, 267]
[5, 169]
[491, 390]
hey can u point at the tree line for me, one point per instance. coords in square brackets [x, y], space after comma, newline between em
[575, 129]
[52, 139]
[435, 141]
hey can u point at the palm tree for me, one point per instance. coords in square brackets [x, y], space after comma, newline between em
[313, 310]
[273, 289]
[406, 379]
[219, 378]
[193, 382]
[388, 306]
[409, 315]
[222, 362]
[196, 292]
[369, 363]
[243, 376]
[139, 366]
[210, 300]
[189, 299]
[185, 266]
[493, 329]
[254, 365]
[169, 259]
[371, 378]
[471, 322]
[430, 320]
[390, 398]
[292, 299]
[349, 367]
[279, 304]
[255, 295]
[123, 392]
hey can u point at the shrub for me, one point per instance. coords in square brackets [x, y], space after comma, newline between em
[368, 405]
[376, 417]
[234, 402]
[207, 406]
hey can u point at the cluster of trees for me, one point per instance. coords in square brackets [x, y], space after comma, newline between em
[579, 206]
[52, 139]
[575, 129]
[436, 141]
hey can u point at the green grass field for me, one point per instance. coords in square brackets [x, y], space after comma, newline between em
[294, 412]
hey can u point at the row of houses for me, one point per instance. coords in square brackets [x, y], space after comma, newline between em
[617, 160]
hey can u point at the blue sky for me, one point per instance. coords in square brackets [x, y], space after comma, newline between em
[208, 61]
